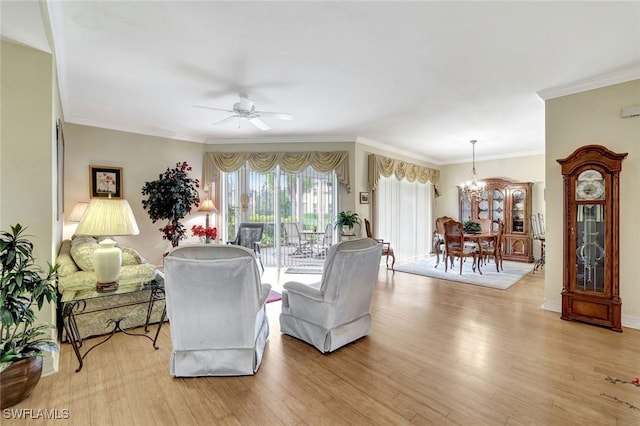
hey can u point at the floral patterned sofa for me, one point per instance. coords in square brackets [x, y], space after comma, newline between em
[76, 278]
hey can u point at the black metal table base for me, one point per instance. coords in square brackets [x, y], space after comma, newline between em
[73, 308]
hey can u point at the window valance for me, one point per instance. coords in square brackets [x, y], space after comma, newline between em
[385, 166]
[290, 162]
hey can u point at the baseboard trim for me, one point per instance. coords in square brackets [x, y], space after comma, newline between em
[631, 322]
[552, 306]
[627, 321]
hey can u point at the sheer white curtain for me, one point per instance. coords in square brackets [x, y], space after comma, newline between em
[404, 216]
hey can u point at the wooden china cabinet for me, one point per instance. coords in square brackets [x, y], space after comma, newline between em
[591, 290]
[507, 202]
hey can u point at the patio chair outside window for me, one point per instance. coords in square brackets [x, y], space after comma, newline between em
[250, 236]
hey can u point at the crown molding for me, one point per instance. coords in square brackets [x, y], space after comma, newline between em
[596, 82]
[395, 150]
[280, 139]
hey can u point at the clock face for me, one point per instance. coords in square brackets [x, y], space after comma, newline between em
[590, 190]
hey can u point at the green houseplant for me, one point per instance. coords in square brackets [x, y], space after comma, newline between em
[347, 220]
[170, 198]
[22, 287]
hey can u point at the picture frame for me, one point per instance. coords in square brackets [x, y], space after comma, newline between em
[60, 166]
[105, 182]
[364, 198]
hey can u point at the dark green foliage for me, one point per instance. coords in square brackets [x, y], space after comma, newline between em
[471, 227]
[347, 218]
[171, 198]
[22, 287]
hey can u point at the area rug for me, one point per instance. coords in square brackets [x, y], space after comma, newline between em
[513, 272]
[274, 296]
[316, 270]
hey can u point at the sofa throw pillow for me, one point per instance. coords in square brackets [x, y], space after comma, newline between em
[66, 264]
[82, 249]
[131, 257]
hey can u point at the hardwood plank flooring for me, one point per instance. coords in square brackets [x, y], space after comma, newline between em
[440, 353]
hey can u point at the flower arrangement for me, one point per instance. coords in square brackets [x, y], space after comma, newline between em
[202, 232]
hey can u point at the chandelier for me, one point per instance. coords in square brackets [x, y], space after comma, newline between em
[473, 189]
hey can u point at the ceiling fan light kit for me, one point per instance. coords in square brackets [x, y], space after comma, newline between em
[246, 109]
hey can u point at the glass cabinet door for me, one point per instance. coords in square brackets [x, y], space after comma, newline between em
[517, 211]
[483, 207]
[590, 249]
[497, 207]
[465, 208]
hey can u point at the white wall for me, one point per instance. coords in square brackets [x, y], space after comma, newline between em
[28, 154]
[593, 117]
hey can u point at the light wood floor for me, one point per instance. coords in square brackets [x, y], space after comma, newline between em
[440, 353]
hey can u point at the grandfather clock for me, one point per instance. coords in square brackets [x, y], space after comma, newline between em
[591, 290]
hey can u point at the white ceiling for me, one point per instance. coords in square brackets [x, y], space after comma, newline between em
[421, 77]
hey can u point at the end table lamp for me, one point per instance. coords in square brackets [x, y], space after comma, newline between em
[208, 207]
[106, 217]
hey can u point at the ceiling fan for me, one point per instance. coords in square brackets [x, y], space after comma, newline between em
[247, 109]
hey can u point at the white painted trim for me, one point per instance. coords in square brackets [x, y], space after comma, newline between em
[395, 150]
[151, 132]
[50, 363]
[596, 82]
[552, 306]
[627, 321]
[631, 322]
[279, 139]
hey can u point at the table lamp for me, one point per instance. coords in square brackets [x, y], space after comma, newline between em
[78, 211]
[208, 207]
[107, 217]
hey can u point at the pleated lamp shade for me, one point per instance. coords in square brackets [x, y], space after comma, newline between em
[107, 217]
[207, 206]
[78, 211]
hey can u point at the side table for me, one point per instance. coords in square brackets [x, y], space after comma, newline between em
[78, 306]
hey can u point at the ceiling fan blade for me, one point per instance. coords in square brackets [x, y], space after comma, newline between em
[224, 120]
[215, 109]
[278, 115]
[259, 123]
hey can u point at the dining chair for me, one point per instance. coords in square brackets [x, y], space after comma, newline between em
[386, 246]
[494, 248]
[438, 238]
[454, 246]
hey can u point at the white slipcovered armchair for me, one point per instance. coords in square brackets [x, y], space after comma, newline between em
[216, 308]
[335, 311]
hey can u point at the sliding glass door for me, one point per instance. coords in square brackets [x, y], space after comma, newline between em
[296, 208]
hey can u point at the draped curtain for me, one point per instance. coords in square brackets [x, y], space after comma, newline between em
[387, 167]
[290, 162]
[403, 216]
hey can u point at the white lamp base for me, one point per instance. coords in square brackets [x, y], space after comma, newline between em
[107, 261]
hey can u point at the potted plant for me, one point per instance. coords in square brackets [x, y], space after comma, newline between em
[346, 221]
[22, 287]
[171, 197]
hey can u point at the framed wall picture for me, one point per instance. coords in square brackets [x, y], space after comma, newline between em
[105, 181]
[60, 165]
[364, 198]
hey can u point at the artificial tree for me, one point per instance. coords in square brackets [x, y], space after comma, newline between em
[170, 198]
